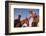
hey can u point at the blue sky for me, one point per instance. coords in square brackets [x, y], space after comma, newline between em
[24, 12]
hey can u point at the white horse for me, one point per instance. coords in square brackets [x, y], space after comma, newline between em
[30, 21]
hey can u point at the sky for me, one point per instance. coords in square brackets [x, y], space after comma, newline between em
[24, 12]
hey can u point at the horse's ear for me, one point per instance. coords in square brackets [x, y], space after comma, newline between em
[29, 17]
[26, 17]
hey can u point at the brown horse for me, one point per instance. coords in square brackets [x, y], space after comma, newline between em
[25, 21]
[34, 23]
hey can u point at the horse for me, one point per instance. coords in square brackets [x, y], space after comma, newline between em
[34, 23]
